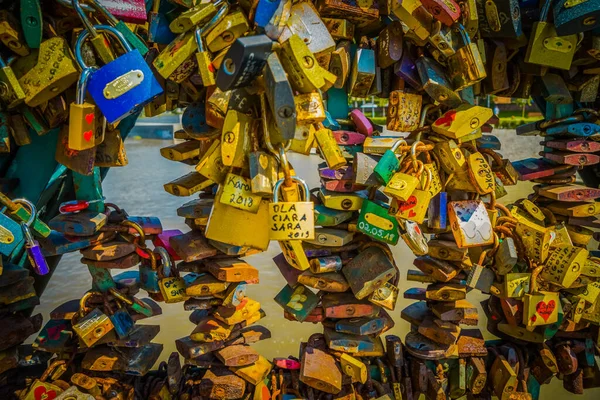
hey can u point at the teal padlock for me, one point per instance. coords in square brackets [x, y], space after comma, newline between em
[389, 163]
[11, 235]
[375, 221]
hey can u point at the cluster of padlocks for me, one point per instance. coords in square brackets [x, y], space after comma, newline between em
[257, 80]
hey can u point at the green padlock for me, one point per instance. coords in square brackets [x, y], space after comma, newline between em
[389, 163]
[375, 221]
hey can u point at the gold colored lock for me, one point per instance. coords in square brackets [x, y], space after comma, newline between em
[309, 108]
[305, 74]
[330, 150]
[235, 139]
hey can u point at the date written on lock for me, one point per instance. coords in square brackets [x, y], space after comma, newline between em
[291, 220]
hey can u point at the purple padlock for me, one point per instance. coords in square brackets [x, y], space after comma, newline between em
[34, 251]
[363, 125]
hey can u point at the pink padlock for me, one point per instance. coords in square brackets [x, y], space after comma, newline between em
[348, 138]
[162, 240]
[341, 185]
[363, 125]
[133, 11]
[286, 363]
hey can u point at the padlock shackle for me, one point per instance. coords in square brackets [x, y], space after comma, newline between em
[545, 10]
[293, 178]
[82, 85]
[81, 14]
[205, 29]
[100, 28]
[139, 230]
[458, 27]
[166, 261]
[68, 4]
[413, 152]
[51, 368]
[83, 301]
[397, 144]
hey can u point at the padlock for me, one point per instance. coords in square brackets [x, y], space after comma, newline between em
[572, 17]
[291, 220]
[158, 23]
[461, 121]
[305, 74]
[320, 371]
[330, 150]
[369, 271]
[194, 16]
[55, 71]
[494, 20]
[362, 73]
[466, 68]
[244, 61]
[441, 40]
[309, 108]
[121, 320]
[118, 90]
[82, 117]
[42, 389]
[205, 67]
[546, 47]
[416, 206]
[564, 265]
[11, 92]
[237, 192]
[91, 326]
[235, 139]
[436, 82]
[375, 222]
[470, 223]
[98, 41]
[404, 111]
[279, 96]
[34, 251]
[402, 185]
[11, 235]
[172, 288]
[228, 29]
[480, 173]
[389, 163]
[415, 17]
[120, 26]
[19, 130]
[540, 308]
[250, 228]
[233, 270]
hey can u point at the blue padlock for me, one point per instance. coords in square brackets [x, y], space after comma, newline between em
[581, 129]
[571, 17]
[123, 86]
[265, 9]
[11, 235]
[193, 120]
[158, 25]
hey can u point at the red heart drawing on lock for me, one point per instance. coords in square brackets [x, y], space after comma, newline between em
[545, 309]
[40, 393]
[408, 204]
[88, 135]
[89, 118]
